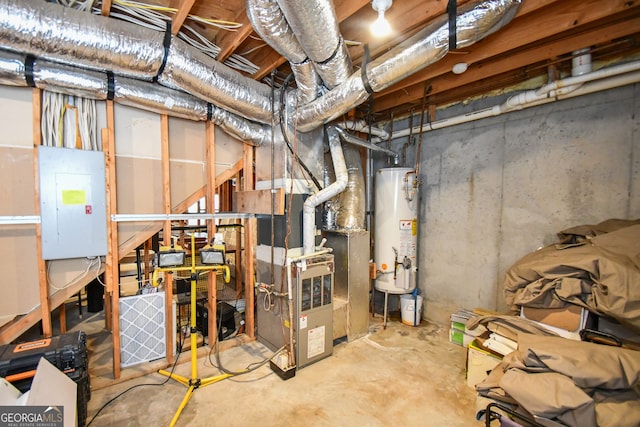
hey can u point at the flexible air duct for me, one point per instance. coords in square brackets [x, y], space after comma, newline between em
[69, 36]
[315, 25]
[268, 21]
[146, 96]
[350, 216]
[475, 21]
[309, 206]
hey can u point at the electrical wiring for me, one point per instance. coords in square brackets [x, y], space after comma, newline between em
[75, 279]
[218, 23]
[283, 90]
[175, 363]
[149, 16]
[250, 367]
[57, 120]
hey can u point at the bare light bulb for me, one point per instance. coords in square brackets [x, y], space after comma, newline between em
[380, 27]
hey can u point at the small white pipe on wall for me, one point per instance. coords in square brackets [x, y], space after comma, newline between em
[596, 81]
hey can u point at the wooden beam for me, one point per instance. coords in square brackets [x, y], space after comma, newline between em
[229, 173]
[112, 274]
[166, 234]
[106, 7]
[229, 41]
[274, 60]
[249, 227]
[210, 186]
[12, 330]
[183, 12]
[558, 18]
[259, 201]
[45, 308]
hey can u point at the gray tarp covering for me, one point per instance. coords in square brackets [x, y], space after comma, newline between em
[596, 267]
[574, 383]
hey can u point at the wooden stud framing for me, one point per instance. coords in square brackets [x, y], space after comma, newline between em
[45, 308]
[211, 228]
[112, 275]
[249, 227]
[166, 234]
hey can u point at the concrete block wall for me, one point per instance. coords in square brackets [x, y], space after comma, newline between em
[496, 189]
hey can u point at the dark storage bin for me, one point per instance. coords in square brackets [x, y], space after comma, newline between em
[67, 352]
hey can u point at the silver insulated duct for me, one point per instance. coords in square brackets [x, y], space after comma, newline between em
[146, 96]
[475, 21]
[69, 36]
[268, 21]
[315, 25]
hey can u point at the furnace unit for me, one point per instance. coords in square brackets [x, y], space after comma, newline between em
[312, 284]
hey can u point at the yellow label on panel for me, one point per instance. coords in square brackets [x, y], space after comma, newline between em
[414, 227]
[74, 197]
[287, 324]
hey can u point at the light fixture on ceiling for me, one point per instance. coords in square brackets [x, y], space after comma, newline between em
[380, 27]
[460, 68]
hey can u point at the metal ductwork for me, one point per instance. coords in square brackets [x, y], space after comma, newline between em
[309, 206]
[474, 21]
[69, 36]
[351, 211]
[315, 25]
[126, 91]
[268, 21]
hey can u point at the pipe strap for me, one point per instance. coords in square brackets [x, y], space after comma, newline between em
[452, 11]
[28, 70]
[111, 85]
[363, 71]
[166, 44]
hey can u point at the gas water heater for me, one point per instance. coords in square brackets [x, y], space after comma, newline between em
[396, 230]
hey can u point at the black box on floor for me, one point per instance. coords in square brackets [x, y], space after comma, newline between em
[227, 325]
[67, 352]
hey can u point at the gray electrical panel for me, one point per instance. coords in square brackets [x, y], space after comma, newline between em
[72, 203]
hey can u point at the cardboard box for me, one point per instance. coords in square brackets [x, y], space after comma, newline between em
[52, 392]
[566, 322]
[479, 363]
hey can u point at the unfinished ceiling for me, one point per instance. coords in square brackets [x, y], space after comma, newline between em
[538, 42]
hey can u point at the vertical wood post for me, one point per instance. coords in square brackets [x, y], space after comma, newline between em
[210, 193]
[249, 227]
[166, 235]
[112, 275]
[45, 308]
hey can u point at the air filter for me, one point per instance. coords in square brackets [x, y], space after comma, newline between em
[142, 329]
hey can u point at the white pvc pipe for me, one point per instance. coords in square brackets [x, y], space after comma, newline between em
[362, 126]
[607, 78]
[309, 207]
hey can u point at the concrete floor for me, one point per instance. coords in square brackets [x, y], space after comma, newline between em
[401, 375]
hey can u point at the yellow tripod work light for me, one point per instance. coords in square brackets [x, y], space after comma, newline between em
[212, 256]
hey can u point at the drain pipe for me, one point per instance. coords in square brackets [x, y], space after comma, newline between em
[354, 140]
[309, 207]
[362, 126]
[570, 87]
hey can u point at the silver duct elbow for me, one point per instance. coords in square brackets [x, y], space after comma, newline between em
[268, 21]
[475, 21]
[315, 25]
